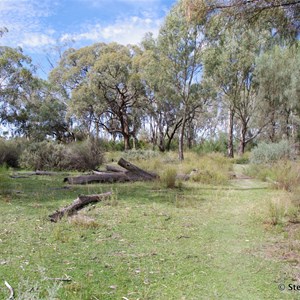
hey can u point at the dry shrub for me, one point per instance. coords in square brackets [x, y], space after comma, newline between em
[84, 221]
[48, 155]
[286, 175]
[213, 168]
[168, 177]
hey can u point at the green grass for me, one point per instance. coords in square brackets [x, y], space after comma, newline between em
[147, 242]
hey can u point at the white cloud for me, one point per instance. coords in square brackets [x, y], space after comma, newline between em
[124, 31]
[36, 40]
[23, 18]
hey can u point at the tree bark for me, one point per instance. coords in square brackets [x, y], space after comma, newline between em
[230, 133]
[77, 204]
[98, 178]
[181, 140]
[116, 169]
[136, 170]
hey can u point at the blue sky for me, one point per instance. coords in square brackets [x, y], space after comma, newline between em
[39, 26]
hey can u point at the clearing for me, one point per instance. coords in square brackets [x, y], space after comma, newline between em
[146, 242]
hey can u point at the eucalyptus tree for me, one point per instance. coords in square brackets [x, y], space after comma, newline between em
[231, 61]
[282, 14]
[278, 72]
[72, 83]
[115, 81]
[16, 84]
[162, 108]
[180, 47]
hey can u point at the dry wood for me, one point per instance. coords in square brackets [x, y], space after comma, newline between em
[78, 204]
[11, 296]
[136, 170]
[128, 172]
[111, 168]
[68, 279]
[98, 178]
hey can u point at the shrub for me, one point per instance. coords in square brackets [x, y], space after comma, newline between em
[270, 153]
[209, 146]
[10, 152]
[242, 160]
[48, 155]
[82, 156]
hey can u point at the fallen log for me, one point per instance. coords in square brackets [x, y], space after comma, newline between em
[78, 204]
[37, 172]
[129, 172]
[98, 178]
[111, 168]
[136, 170]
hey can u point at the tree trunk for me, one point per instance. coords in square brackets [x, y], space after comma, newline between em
[181, 140]
[126, 141]
[230, 133]
[243, 142]
[78, 204]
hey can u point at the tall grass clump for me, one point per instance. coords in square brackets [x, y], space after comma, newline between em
[168, 177]
[212, 168]
[270, 153]
[137, 155]
[5, 182]
[283, 174]
[277, 210]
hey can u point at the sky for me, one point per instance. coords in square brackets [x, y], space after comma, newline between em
[41, 27]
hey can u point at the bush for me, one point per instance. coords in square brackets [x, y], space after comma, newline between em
[243, 160]
[270, 153]
[10, 152]
[48, 155]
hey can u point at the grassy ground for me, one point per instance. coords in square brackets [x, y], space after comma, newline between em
[196, 241]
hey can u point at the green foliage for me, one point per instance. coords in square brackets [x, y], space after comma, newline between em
[48, 155]
[270, 153]
[209, 146]
[10, 151]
